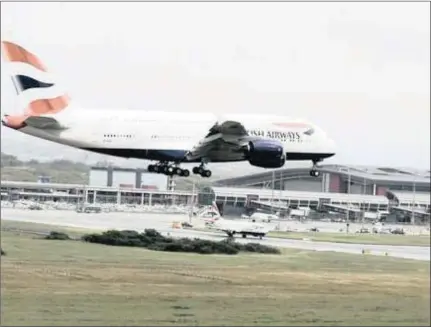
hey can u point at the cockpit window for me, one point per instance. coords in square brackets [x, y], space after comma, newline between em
[309, 132]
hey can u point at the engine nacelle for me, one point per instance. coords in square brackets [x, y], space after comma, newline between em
[266, 154]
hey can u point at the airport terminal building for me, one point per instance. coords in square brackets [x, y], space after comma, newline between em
[349, 190]
[338, 179]
[353, 192]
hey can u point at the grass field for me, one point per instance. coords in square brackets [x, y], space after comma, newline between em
[382, 239]
[44, 228]
[378, 239]
[70, 282]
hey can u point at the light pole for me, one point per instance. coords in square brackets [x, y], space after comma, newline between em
[364, 188]
[348, 204]
[193, 202]
[412, 219]
[272, 193]
[81, 204]
[281, 188]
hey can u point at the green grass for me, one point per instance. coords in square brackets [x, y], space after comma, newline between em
[378, 239]
[44, 228]
[381, 239]
[70, 282]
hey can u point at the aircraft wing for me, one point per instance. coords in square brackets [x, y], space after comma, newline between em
[42, 122]
[224, 142]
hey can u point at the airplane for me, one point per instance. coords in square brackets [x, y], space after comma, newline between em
[232, 227]
[261, 217]
[168, 138]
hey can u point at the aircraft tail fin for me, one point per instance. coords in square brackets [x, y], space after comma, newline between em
[36, 89]
[215, 208]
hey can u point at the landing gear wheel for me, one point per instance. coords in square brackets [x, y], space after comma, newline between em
[169, 170]
[314, 173]
[206, 173]
[201, 171]
[186, 173]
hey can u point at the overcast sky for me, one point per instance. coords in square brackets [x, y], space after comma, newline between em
[359, 70]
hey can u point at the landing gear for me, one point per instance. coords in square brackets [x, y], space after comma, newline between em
[169, 170]
[314, 172]
[152, 169]
[185, 173]
[174, 169]
[182, 172]
[201, 171]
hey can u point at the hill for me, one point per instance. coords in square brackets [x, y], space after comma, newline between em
[71, 172]
[60, 171]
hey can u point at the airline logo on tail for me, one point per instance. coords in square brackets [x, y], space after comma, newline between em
[216, 217]
[25, 83]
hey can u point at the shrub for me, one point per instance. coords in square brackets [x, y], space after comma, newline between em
[57, 236]
[205, 250]
[260, 248]
[225, 247]
[152, 233]
[2, 252]
[113, 237]
[153, 240]
[129, 233]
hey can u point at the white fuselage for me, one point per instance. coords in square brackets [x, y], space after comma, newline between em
[126, 129]
[128, 133]
[143, 130]
[239, 227]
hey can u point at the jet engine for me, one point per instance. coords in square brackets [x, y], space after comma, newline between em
[266, 154]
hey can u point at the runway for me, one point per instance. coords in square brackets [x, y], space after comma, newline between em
[162, 223]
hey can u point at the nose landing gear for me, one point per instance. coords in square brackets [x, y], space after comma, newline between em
[314, 172]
